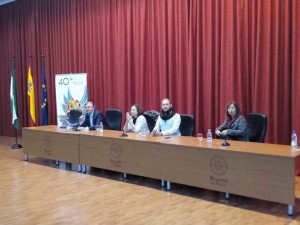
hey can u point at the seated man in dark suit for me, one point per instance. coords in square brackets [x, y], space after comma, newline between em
[93, 118]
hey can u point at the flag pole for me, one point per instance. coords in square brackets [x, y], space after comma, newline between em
[15, 146]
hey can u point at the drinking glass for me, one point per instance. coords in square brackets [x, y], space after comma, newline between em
[200, 136]
[143, 132]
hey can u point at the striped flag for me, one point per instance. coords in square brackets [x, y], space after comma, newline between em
[13, 97]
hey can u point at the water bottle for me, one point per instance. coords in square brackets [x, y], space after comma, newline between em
[209, 136]
[294, 139]
[101, 128]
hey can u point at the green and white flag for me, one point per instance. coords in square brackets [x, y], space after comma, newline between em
[13, 97]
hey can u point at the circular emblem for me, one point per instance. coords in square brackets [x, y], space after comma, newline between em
[48, 145]
[115, 150]
[47, 142]
[218, 165]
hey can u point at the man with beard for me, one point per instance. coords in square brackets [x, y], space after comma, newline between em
[168, 121]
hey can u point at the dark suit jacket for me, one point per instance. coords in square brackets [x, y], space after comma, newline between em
[97, 118]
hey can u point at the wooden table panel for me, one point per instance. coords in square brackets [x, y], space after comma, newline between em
[51, 142]
[137, 157]
[253, 175]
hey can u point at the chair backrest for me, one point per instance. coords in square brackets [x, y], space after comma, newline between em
[257, 124]
[74, 116]
[113, 119]
[187, 125]
[151, 118]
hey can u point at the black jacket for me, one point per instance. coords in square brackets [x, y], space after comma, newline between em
[97, 118]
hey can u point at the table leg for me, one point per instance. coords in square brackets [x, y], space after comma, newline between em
[227, 195]
[168, 185]
[290, 210]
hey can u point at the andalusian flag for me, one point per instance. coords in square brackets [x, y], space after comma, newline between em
[44, 105]
[30, 92]
[13, 97]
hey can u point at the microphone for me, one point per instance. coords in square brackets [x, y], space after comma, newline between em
[123, 134]
[225, 143]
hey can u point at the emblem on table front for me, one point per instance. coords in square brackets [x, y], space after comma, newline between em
[219, 167]
[47, 145]
[115, 151]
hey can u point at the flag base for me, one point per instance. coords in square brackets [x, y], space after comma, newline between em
[16, 146]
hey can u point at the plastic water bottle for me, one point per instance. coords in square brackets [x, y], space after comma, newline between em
[209, 136]
[294, 139]
[101, 128]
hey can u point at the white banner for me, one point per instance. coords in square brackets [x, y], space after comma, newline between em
[71, 93]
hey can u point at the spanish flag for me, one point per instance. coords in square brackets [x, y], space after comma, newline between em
[30, 92]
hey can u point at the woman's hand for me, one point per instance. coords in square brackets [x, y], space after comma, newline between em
[224, 132]
[218, 133]
[128, 116]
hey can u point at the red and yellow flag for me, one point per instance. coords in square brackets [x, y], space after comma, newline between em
[31, 102]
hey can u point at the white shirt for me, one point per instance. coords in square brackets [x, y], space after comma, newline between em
[170, 126]
[141, 123]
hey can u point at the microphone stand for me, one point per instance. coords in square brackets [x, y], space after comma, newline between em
[225, 143]
[75, 128]
[123, 134]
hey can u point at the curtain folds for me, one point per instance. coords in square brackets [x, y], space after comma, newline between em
[199, 53]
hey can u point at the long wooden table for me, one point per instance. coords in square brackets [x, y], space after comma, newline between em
[263, 171]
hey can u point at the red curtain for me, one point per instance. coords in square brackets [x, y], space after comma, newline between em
[199, 53]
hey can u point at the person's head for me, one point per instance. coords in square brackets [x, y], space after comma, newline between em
[166, 104]
[232, 109]
[136, 110]
[89, 107]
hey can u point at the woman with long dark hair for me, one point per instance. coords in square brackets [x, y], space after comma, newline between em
[234, 126]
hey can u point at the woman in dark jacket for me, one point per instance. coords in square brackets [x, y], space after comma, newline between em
[234, 126]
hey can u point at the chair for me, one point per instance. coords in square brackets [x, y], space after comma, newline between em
[256, 127]
[151, 118]
[74, 118]
[187, 125]
[113, 119]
